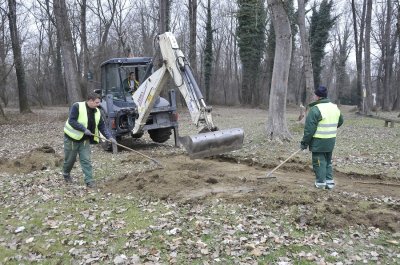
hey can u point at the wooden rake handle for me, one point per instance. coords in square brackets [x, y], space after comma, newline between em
[272, 171]
[130, 149]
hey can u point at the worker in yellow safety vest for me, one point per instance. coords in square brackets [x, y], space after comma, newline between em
[82, 129]
[320, 130]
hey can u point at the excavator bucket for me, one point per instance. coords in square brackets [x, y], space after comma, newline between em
[212, 143]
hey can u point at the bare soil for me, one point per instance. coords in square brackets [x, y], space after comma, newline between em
[370, 200]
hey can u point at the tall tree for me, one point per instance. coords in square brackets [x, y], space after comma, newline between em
[192, 33]
[321, 23]
[164, 16]
[396, 105]
[67, 49]
[4, 50]
[105, 11]
[367, 52]
[54, 69]
[388, 57]
[276, 124]
[84, 53]
[208, 52]
[341, 60]
[358, 41]
[269, 61]
[251, 42]
[19, 64]
[305, 46]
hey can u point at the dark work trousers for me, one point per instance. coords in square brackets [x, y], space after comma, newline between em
[71, 150]
[322, 166]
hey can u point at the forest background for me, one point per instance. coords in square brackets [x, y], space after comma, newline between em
[55, 45]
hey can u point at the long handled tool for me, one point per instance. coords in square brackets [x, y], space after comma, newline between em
[272, 171]
[130, 149]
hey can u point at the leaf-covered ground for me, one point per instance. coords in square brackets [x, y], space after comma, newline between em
[203, 211]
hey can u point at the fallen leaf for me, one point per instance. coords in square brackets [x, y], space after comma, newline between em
[19, 229]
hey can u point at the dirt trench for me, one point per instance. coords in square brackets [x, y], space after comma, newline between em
[352, 202]
[363, 200]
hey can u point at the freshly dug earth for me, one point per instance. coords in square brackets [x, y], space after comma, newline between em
[184, 180]
[370, 200]
[39, 158]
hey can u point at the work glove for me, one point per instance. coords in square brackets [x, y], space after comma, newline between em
[87, 132]
[303, 146]
[113, 141]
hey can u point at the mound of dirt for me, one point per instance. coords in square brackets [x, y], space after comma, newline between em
[41, 158]
[183, 178]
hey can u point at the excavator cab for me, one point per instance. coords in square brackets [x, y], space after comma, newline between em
[119, 110]
[117, 76]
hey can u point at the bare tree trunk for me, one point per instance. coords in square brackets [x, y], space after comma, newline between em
[164, 16]
[208, 53]
[67, 50]
[58, 91]
[367, 54]
[308, 70]
[343, 54]
[276, 123]
[19, 65]
[84, 55]
[387, 57]
[379, 88]
[61, 87]
[397, 102]
[3, 66]
[358, 44]
[192, 34]
[392, 86]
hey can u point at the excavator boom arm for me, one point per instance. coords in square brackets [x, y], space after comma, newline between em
[176, 67]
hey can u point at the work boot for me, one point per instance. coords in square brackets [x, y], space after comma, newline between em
[91, 185]
[67, 178]
[320, 185]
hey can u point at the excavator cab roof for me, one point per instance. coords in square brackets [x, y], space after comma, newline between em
[128, 60]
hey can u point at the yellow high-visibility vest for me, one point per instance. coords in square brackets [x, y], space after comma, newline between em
[83, 119]
[327, 127]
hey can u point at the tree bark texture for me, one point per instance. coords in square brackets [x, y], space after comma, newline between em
[164, 16]
[84, 54]
[305, 46]
[358, 47]
[388, 59]
[208, 53]
[396, 106]
[276, 124]
[340, 65]
[19, 64]
[3, 66]
[192, 34]
[367, 56]
[67, 51]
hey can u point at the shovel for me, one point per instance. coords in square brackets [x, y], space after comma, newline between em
[272, 171]
[130, 149]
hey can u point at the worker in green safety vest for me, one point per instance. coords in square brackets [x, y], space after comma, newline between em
[82, 129]
[320, 131]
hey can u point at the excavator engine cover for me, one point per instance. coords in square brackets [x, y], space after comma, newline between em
[212, 143]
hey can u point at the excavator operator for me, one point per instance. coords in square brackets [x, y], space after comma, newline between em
[130, 83]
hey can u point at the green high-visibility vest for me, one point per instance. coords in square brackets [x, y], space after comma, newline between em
[327, 127]
[83, 119]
